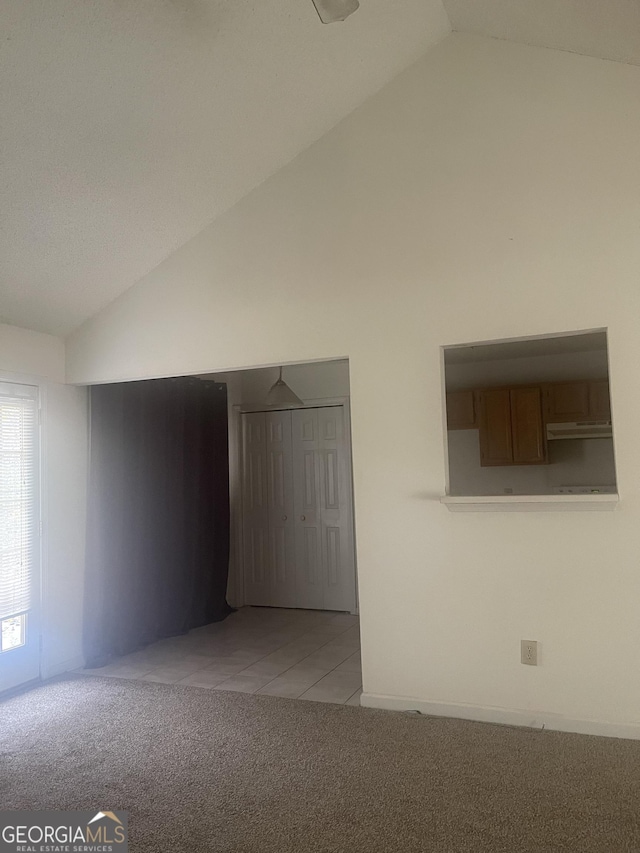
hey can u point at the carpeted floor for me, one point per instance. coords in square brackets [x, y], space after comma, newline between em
[213, 771]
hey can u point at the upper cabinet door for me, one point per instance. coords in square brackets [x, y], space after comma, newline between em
[567, 401]
[495, 427]
[461, 410]
[527, 430]
[599, 401]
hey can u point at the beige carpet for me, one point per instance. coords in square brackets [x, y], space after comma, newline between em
[202, 770]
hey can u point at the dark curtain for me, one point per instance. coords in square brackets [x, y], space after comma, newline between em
[158, 522]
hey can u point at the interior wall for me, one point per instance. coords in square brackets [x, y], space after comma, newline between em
[488, 192]
[64, 510]
[38, 359]
[28, 353]
[587, 462]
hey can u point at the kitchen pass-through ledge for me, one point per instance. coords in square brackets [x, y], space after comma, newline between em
[531, 503]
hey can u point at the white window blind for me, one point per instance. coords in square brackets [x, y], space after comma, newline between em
[18, 456]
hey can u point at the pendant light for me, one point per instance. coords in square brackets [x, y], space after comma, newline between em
[281, 395]
[331, 11]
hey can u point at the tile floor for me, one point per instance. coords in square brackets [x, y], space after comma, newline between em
[298, 654]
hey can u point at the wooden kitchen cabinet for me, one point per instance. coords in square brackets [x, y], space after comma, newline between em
[566, 402]
[527, 428]
[496, 446]
[583, 400]
[461, 410]
[599, 400]
[512, 419]
[511, 427]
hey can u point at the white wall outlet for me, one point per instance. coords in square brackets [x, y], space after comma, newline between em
[529, 652]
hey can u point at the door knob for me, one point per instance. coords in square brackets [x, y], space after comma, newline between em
[303, 518]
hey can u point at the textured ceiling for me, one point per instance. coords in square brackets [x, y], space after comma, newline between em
[128, 125]
[608, 29]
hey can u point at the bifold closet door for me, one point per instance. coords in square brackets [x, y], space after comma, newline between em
[297, 512]
[310, 575]
[255, 523]
[268, 524]
[281, 547]
[325, 565]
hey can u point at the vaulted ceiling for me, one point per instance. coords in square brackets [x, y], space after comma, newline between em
[608, 29]
[128, 125]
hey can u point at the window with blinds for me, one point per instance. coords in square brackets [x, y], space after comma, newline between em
[18, 509]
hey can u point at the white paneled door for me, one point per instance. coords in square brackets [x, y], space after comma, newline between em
[281, 559]
[311, 577]
[336, 509]
[255, 528]
[297, 499]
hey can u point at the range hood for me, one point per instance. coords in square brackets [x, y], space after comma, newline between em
[579, 429]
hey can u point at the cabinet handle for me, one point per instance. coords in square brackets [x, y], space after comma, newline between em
[284, 517]
[303, 518]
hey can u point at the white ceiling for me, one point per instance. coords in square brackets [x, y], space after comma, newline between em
[128, 125]
[608, 29]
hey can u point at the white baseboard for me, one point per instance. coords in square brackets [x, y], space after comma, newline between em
[49, 670]
[503, 716]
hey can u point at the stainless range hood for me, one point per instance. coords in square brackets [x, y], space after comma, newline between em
[579, 429]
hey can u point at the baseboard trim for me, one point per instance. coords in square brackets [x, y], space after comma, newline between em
[53, 669]
[502, 716]
[10, 692]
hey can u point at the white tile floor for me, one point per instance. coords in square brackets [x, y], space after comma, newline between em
[298, 654]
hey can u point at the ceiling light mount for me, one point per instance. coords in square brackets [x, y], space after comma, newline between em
[281, 396]
[331, 11]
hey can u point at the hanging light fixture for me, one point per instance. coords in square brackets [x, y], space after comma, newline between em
[281, 395]
[331, 11]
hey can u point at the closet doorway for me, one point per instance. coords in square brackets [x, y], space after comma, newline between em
[297, 509]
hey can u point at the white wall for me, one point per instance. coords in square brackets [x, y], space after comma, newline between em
[584, 462]
[489, 192]
[64, 506]
[28, 353]
[38, 359]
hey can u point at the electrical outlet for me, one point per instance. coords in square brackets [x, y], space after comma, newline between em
[529, 652]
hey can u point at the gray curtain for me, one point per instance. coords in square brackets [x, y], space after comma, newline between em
[158, 522]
